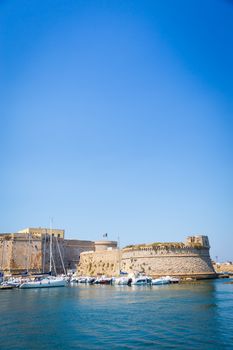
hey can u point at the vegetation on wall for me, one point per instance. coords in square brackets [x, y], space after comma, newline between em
[157, 245]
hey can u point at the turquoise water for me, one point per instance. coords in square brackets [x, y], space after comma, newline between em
[185, 316]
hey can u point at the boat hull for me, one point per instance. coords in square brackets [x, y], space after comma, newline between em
[43, 284]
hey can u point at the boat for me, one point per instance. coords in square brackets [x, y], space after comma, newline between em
[122, 281]
[165, 280]
[173, 279]
[103, 280]
[83, 279]
[46, 282]
[13, 282]
[159, 281]
[141, 281]
[5, 286]
[1, 276]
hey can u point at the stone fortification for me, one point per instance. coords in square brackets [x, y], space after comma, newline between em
[29, 250]
[38, 231]
[105, 245]
[99, 263]
[158, 259]
[72, 250]
[103, 260]
[20, 252]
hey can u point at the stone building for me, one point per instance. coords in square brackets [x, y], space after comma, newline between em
[189, 259]
[103, 260]
[38, 231]
[29, 250]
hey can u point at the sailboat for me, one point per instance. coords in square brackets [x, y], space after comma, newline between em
[48, 281]
[1, 271]
[44, 282]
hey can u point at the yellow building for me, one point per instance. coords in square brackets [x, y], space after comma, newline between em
[38, 231]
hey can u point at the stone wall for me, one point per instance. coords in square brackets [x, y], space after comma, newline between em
[99, 263]
[223, 267]
[20, 252]
[173, 261]
[5, 252]
[158, 259]
[105, 245]
[73, 249]
[39, 231]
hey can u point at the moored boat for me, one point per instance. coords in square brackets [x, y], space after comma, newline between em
[122, 281]
[141, 281]
[103, 280]
[47, 282]
[160, 281]
[173, 279]
[13, 282]
[4, 286]
[165, 280]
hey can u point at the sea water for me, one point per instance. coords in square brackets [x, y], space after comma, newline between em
[181, 316]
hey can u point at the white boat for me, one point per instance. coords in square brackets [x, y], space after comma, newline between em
[4, 286]
[74, 280]
[14, 282]
[121, 281]
[161, 280]
[141, 281]
[83, 279]
[173, 279]
[103, 280]
[165, 280]
[47, 282]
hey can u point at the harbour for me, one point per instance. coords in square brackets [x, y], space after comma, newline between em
[194, 314]
[116, 175]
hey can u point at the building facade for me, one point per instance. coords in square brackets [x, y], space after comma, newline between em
[36, 250]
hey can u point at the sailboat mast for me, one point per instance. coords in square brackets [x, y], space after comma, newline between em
[59, 250]
[119, 255]
[3, 246]
[28, 253]
[50, 247]
[44, 250]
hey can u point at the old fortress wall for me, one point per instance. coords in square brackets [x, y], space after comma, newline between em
[29, 250]
[179, 259]
[18, 253]
[171, 261]
[104, 262]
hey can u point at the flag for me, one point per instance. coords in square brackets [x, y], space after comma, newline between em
[105, 235]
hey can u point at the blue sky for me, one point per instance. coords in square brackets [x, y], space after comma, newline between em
[116, 116]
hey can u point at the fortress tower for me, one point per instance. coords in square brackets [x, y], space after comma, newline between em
[183, 259]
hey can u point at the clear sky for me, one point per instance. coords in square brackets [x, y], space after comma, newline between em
[116, 116]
